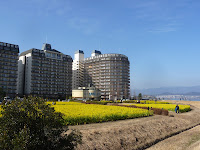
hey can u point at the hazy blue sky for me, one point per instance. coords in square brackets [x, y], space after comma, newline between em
[160, 37]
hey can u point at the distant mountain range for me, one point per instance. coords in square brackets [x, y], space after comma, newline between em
[193, 90]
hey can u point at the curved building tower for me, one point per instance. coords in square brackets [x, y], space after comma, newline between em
[109, 73]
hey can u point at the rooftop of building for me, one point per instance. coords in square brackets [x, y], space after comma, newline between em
[10, 46]
[107, 55]
[99, 54]
[79, 51]
[86, 88]
[26, 52]
[96, 51]
[45, 47]
[89, 87]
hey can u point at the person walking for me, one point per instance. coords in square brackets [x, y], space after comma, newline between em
[177, 109]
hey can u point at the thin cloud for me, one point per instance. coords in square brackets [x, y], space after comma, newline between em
[170, 27]
[84, 25]
[158, 16]
[164, 29]
[51, 7]
[65, 9]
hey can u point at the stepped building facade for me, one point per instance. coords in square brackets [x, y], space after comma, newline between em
[107, 72]
[8, 68]
[46, 73]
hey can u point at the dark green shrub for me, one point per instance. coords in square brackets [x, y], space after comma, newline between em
[31, 124]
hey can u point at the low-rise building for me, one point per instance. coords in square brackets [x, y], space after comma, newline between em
[86, 93]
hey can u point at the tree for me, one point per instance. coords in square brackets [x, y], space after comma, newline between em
[140, 96]
[2, 93]
[32, 124]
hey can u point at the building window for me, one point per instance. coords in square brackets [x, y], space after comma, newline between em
[58, 56]
[53, 55]
[48, 54]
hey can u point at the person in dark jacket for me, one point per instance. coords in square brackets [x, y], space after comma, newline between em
[177, 109]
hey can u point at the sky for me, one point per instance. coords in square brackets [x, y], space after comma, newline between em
[160, 37]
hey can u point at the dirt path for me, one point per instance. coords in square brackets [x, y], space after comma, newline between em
[137, 133]
[188, 140]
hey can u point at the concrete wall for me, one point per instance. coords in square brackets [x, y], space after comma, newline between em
[77, 94]
[20, 78]
[77, 70]
[79, 56]
[28, 73]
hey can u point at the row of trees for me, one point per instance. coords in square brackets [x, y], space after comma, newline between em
[139, 97]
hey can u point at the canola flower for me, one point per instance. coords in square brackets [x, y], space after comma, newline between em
[0, 111]
[170, 107]
[146, 102]
[79, 113]
[153, 102]
[103, 102]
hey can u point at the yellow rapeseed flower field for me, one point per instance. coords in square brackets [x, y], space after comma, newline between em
[79, 113]
[170, 107]
[0, 111]
[146, 102]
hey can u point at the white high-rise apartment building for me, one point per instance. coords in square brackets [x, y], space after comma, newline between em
[45, 73]
[77, 69]
[107, 72]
